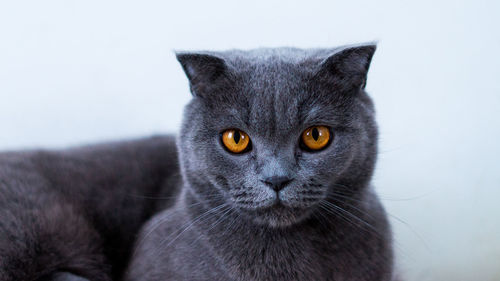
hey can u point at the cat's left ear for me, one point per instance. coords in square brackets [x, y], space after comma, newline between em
[347, 69]
[206, 72]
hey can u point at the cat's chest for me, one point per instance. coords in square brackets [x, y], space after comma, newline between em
[275, 257]
[245, 254]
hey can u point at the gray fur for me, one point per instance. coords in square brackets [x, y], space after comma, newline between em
[227, 224]
[79, 210]
[65, 276]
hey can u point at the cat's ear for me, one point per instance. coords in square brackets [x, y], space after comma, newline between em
[347, 69]
[206, 73]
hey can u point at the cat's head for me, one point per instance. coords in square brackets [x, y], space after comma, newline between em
[275, 131]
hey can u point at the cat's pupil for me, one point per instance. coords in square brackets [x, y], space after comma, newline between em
[237, 137]
[315, 134]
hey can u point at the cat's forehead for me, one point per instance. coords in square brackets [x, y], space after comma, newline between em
[274, 55]
[269, 75]
[276, 72]
[273, 92]
[273, 84]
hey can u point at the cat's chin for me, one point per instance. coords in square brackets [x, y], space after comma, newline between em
[278, 215]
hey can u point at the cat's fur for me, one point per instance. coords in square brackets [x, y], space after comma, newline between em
[227, 224]
[73, 214]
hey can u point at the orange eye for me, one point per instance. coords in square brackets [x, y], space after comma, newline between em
[316, 137]
[235, 140]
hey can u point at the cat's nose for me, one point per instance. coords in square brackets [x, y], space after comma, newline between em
[277, 182]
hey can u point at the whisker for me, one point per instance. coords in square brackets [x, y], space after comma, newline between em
[232, 223]
[321, 214]
[351, 205]
[389, 214]
[411, 229]
[396, 244]
[344, 218]
[219, 220]
[348, 191]
[162, 220]
[350, 214]
[169, 197]
[216, 223]
[199, 218]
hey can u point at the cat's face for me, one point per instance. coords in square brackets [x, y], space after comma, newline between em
[273, 132]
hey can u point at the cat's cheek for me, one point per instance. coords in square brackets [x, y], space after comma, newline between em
[253, 198]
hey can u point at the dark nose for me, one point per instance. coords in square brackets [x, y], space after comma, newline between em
[277, 182]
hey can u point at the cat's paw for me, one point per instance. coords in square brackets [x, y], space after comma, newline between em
[64, 276]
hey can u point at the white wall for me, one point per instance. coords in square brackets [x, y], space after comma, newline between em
[74, 72]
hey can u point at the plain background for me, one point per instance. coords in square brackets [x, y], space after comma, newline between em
[74, 72]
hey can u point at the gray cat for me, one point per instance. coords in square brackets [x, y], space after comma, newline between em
[277, 150]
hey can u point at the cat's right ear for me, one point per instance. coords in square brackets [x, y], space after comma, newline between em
[347, 69]
[206, 73]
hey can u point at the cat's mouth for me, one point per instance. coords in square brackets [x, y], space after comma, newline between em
[276, 213]
[261, 204]
[279, 215]
[275, 208]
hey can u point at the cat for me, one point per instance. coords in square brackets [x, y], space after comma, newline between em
[277, 149]
[73, 215]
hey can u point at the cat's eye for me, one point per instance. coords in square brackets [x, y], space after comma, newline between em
[316, 137]
[236, 141]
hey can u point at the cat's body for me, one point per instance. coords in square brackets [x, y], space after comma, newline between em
[79, 210]
[276, 210]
